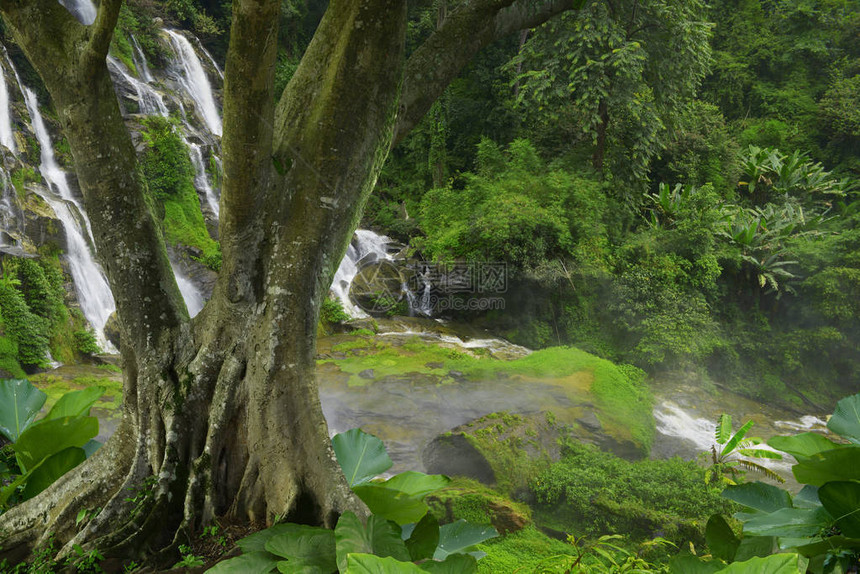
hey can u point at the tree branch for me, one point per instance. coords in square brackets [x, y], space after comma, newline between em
[464, 32]
[247, 138]
[101, 31]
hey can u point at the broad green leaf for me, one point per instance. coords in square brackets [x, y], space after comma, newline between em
[802, 445]
[306, 548]
[831, 544]
[807, 497]
[836, 464]
[362, 456]
[846, 419]
[75, 403]
[20, 402]
[453, 564]
[251, 563]
[379, 537]
[4, 470]
[724, 429]
[721, 540]
[256, 542]
[775, 564]
[689, 564]
[48, 437]
[752, 546]
[842, 501]
[53, 468]
[460, 536]
[760, 453]
[370, 564]
[738, 437]
[759, 496]
[792, 522]
[423, 539]
[401, 497]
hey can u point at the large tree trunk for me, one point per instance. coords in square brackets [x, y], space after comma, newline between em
[221, 415]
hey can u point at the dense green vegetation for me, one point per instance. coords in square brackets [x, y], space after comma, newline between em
[686, 211]
[34, 318]
[169, 175]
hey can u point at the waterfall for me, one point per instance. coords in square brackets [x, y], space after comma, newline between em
[7, 137]
[149, 101]
[139, 59]
[365, 247]
[94, 294]
[10, 214]
[84, 10]
[192, 78]
[673, 421]
[193, 297]
[201, 179]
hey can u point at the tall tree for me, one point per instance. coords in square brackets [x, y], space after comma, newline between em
[221, 415]
[620, 69]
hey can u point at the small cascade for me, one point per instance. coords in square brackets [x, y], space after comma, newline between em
[193, 297]
[7, 137]
[84, 10]
[10, 214]
[149, 101]
[139, 59]
[94, 294]
[697, 435]
[365, 247]
[192, 78]
[201, 178]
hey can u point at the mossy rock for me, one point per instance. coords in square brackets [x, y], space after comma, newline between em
[472, 501]
[501, 449]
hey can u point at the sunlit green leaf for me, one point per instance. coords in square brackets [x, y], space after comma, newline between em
[53, 468]
[362, 456]
[75, 403]
[20, 402]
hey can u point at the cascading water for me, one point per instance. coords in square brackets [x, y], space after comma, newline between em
[10, 214]
[84, 10]
[94, 294]
[194, 300]
[201, 178]
[7, 137]
[192, 78]
[139, 59]
[149, 101]
[366, 247]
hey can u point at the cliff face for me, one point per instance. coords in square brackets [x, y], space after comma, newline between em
[171, 103]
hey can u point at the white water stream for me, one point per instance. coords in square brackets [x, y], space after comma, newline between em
[94, 294]
[84, 10]
[192, 77]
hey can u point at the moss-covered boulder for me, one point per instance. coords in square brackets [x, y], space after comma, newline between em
[472, 501]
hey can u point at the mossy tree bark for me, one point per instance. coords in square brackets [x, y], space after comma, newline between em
[221, 414]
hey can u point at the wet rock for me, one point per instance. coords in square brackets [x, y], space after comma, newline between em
[111, 329]
[590, 421]
[452, 454]
[366, 374]
[435, 365]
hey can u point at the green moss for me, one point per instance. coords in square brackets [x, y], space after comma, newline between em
[479, 504]
[22, 176]
[56, 386]
[169, 176]
[624, 401]
[521, 551]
